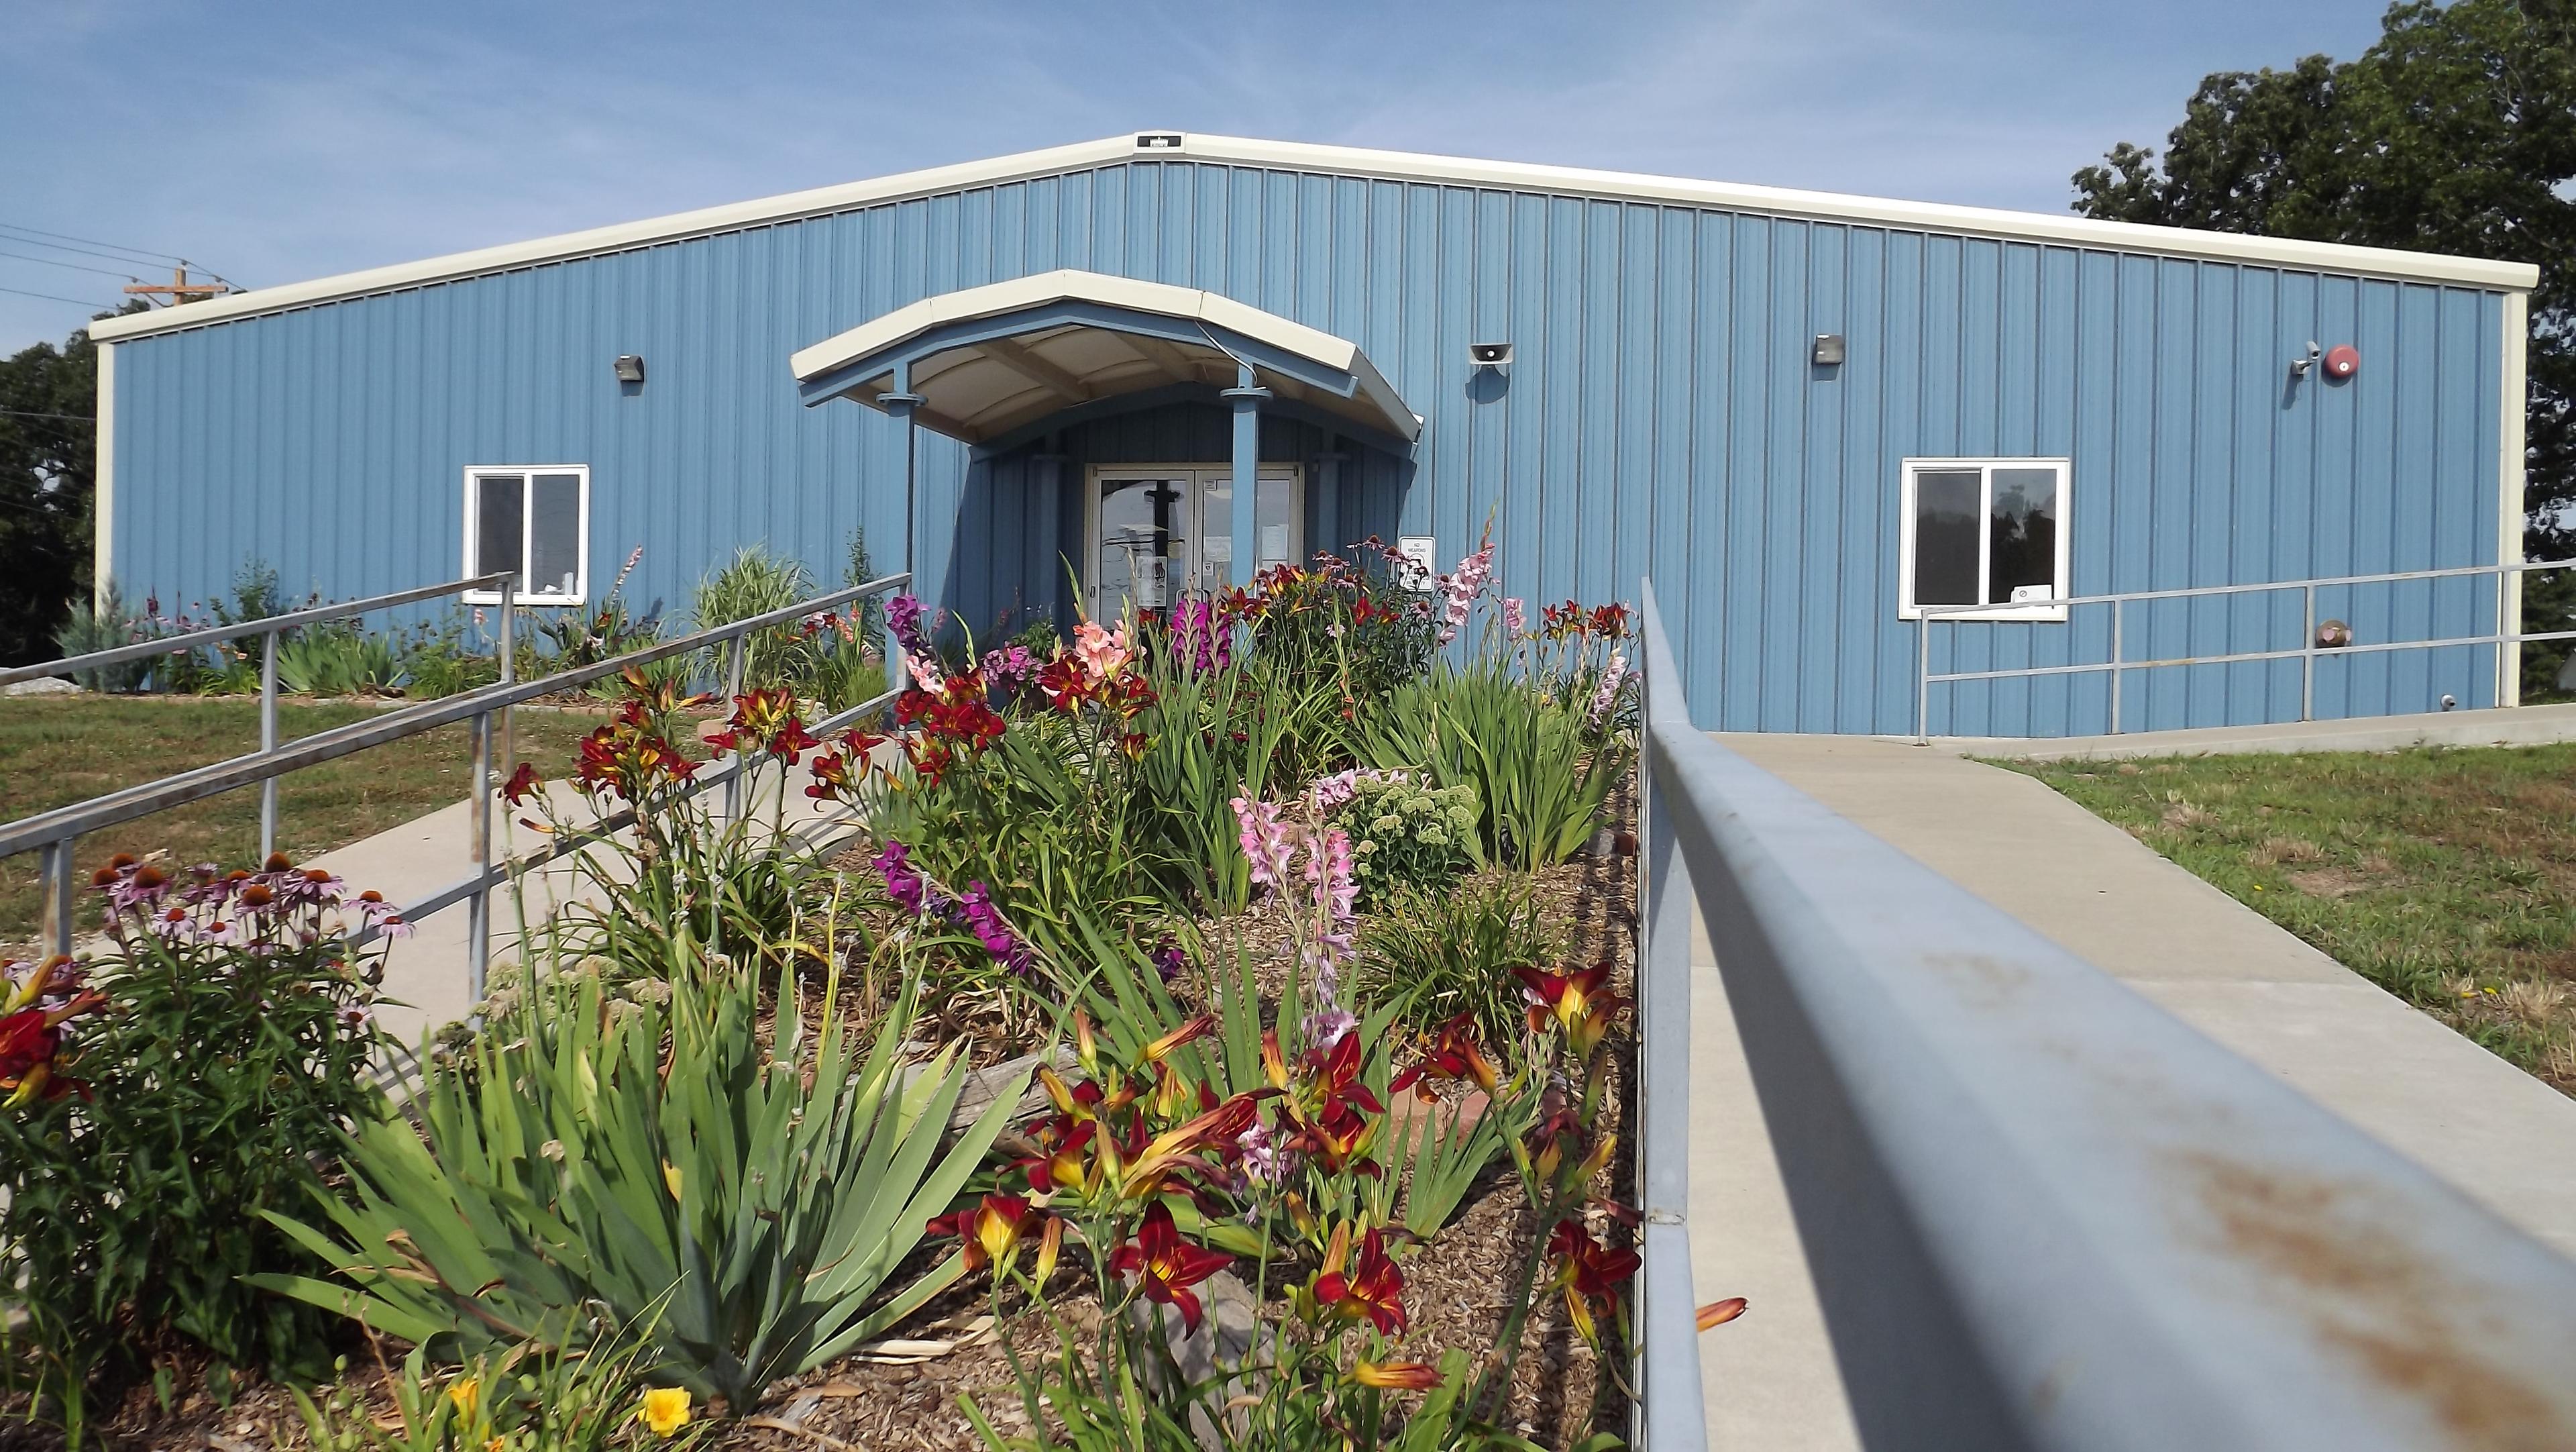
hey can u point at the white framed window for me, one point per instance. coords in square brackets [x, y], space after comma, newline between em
[1985, 532]
[533, 519]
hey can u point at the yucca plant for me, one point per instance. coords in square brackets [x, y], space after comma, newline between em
[755, 1190]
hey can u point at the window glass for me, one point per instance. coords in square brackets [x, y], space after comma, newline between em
[498, 500]
[2023, 525]
[1143, 543]
[1274, 504]
[1945, 537]
[554, 535]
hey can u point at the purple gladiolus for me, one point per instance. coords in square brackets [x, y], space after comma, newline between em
[975, 908]
[910, 890]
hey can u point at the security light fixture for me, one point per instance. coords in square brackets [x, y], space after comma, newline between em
[1828, 351]
[1489, 355]
[630, 367]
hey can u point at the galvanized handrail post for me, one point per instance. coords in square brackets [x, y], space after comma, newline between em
[509, 755]
[733, 689]
[1922, 676]
[2308, 657]
[2119, 613]
[478, 927]
[57, 869]
[267, 739]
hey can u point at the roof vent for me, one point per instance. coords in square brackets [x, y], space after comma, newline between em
[1158, 141]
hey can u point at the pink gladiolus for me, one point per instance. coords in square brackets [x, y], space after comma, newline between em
[1609, 692]
[1266, 843]
[1103, 653]
[1459, 591]
[1514, 618]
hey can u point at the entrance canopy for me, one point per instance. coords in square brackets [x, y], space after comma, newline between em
[993, 365]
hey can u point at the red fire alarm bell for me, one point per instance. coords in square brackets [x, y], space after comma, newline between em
[2342, 361]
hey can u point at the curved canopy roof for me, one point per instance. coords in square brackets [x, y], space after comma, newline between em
[989, 362]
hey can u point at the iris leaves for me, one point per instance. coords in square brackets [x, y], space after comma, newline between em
[759, 1186]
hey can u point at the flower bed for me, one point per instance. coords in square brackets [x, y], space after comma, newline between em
[1219, 1040]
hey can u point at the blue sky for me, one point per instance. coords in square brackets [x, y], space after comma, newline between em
[281, 141]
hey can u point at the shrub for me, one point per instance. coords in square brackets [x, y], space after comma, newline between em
[743, 1194]
[579, 638]
[1541, 764]
[105, 624]
[223, 1041]
[1405, 834]
[755, 582]
[339, 658]
[1439, 954]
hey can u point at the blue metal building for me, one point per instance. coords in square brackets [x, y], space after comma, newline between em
[1800, 413]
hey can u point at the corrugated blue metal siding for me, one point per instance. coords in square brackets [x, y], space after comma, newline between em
[1662, 416]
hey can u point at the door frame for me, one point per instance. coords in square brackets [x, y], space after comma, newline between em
[1092, 474]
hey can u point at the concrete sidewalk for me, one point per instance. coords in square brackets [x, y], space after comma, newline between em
[2512, 726]
[427, 974]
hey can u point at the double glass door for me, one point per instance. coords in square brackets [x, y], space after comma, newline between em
[1157, 534]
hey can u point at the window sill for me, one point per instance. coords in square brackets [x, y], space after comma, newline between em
[523, 602]
[2000, 615]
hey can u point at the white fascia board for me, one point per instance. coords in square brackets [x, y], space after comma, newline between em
[1069, 285]
[2038, 227]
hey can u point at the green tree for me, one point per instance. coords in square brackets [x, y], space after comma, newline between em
[48, 486]
[2455, 133]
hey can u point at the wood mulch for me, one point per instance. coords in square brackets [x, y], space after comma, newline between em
[905, 1395]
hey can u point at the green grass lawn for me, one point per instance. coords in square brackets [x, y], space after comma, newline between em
[56, 750]
[2446, 876]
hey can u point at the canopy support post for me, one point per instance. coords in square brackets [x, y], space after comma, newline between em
[1246, 396]
[899, 405]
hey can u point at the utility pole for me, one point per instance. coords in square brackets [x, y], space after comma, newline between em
[180, 289]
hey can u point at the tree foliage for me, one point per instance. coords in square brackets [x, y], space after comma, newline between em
[2455, 133]
[48, 482]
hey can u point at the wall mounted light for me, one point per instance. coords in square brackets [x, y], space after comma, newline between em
[1828, 352]
[630, 367]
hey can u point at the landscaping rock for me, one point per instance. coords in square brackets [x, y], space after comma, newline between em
[42, 686]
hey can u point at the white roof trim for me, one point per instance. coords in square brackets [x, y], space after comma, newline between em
[2041, 227]
[1073, 285]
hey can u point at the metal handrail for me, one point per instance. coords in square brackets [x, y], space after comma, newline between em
[270, 627]
[2307, 652]
[1669, 1413]
[55, 833]
[2043, 1212]
[266, 625]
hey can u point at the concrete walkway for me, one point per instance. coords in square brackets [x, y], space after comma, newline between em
[2496, 1133]
[427, 974]
[2514, 726]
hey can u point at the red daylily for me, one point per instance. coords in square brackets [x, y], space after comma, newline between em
[1580, 1002]
[522, 783]
[626, 758]
[1166, 1266]
[1589, 1272]
[1372, 1289]
[765, 721]
[994, 1228]
[1453, 1055]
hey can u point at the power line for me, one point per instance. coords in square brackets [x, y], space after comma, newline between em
[58, 297]
[65, 417]
[140, 253]
[75, 266]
